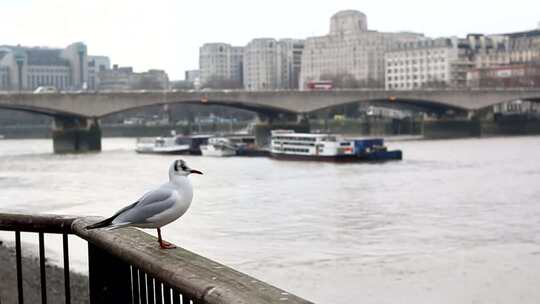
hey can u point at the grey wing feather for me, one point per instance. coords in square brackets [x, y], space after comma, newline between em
[152, 203]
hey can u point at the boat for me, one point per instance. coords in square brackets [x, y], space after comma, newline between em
[287, 144]
[232, 145]
[218, 146]
[176, 144]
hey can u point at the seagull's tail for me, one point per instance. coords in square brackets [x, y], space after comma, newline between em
[104, 223]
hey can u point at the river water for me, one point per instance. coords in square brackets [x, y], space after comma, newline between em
[456, 221]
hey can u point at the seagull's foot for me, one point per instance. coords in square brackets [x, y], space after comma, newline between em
[166, 245]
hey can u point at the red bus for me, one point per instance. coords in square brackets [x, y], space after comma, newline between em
[320, 85]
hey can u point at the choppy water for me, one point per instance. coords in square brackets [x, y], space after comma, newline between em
[457, 221]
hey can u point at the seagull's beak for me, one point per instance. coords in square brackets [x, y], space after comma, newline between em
[195, 171]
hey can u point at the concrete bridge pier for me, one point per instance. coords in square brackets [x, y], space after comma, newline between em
[76, 134]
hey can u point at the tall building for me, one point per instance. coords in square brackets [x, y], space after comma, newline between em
[261, 64]
[289, 62]
[272, 64]
[350, 50]
[220, 65]
[26, 68]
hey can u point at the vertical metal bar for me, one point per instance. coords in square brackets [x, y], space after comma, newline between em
[136, 293]
[150, 289]
[166, 294]
[19, 266]
[109, 277]
[67, 287]
[159, 292]
[42, 268]
[142, 286]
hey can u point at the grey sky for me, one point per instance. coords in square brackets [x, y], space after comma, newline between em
[166, 34]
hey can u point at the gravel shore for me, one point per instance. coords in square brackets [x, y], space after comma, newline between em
[31, 280]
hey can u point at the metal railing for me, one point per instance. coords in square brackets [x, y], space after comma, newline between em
[127, 266]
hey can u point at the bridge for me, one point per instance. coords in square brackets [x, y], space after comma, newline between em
[77, 114]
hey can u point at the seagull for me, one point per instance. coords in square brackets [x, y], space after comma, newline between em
[158, 207]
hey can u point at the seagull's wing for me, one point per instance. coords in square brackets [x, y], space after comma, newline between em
[152, 203]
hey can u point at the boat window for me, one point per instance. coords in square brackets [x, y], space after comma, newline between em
[329, 138]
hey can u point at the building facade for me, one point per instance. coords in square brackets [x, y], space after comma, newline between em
[261, 64]
[505, 76]
[289, 63]
[124, 78]
[350, 50]
[442, 62]
[427, 63]
[27, 68]
[220, 65]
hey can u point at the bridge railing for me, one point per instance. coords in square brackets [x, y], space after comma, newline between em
[127, 266]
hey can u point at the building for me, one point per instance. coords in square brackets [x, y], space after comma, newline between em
[524, 47]
[350, 51]
[427, 63]
[289, 63]
[124, 78]
[513, 63]
[505, 76]
[441, 62]
[192, 75]
[261, 64]
[271, 64]
[27, 68]
[220, 65]
[97, 64]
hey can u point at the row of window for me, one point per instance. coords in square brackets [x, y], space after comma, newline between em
[408, 85]
[310, 139]
[414, 70]
[419, 53]
[298, 150]
[415, 77]
[293, 143]
[49, 70]
[57, 81]
[391, 62]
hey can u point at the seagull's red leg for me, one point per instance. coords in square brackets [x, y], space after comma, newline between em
[164, 244]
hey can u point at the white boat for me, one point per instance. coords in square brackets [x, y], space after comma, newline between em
[164, 145]
[171, 145]
[218, 146]
[286, 144]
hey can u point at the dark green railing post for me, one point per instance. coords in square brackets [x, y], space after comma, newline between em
[110, 277]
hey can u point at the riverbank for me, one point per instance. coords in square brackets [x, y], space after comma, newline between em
[31, 280]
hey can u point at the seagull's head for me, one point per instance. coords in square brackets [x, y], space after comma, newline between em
[180, 168]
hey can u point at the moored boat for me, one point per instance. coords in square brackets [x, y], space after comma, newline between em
[286, 144]
[218, 146]
[178, 144]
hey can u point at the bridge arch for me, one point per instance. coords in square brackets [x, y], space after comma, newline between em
[252, 107]
[417, 105]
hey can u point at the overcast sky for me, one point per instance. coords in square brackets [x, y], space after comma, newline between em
[167, 34]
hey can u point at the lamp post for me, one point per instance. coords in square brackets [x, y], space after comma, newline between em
[19, 60]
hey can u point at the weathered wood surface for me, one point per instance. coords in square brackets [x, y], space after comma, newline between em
[36, 223]
[194, 276]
